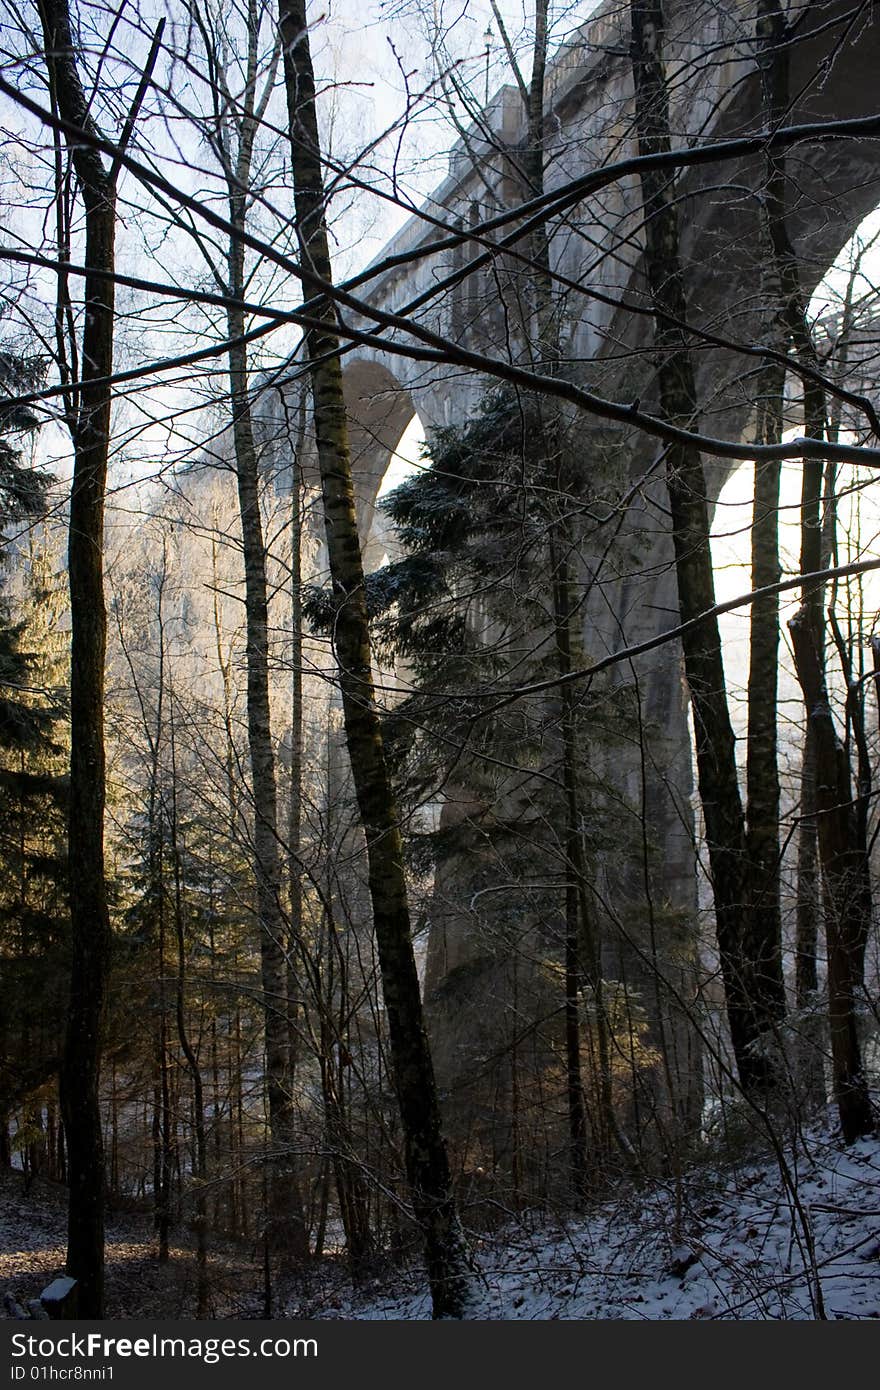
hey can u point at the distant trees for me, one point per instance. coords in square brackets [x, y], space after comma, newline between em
[33, 793]
[239, 96]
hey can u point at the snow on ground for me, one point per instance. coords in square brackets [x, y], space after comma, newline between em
[731, 1243]
[742, 1245]
[33, 1231]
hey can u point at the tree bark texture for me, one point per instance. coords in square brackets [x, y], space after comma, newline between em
[200, 1166]
[807, 904]
[286, 1220]
[583, 956]
[285, 1204]
[774, 50]
[427, 1164]
[749, 1009]
[295, 944]
[762, 775]
[847, 879]
[90, 922]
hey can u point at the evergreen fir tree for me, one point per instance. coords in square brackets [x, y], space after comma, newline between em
[33, 930]
[472, 607]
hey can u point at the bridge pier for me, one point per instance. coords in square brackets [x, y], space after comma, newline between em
[494, 948]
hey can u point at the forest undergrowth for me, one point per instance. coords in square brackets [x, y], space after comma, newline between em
[723, 1243]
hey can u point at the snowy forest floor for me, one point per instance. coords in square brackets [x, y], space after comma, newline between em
[729, 1242]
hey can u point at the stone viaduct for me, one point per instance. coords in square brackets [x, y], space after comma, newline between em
[629, 588]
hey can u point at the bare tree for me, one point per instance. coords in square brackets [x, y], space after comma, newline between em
[426, 1160]
[89, 423]
[234, 125]
[751, 1006]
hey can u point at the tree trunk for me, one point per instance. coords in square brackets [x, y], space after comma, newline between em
[426, 1159]
[807, 904]
[750, 1009]
[200, 1164]
[295, 942]
[285, 1203]
[841, 839]
[90, 922]
[583, 950]
[288, 1231]
[762, 775]
[576, 932]
[846, 872]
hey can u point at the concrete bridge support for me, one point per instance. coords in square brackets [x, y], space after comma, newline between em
[644, 864]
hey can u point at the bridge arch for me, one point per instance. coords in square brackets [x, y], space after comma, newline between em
[832, 186]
